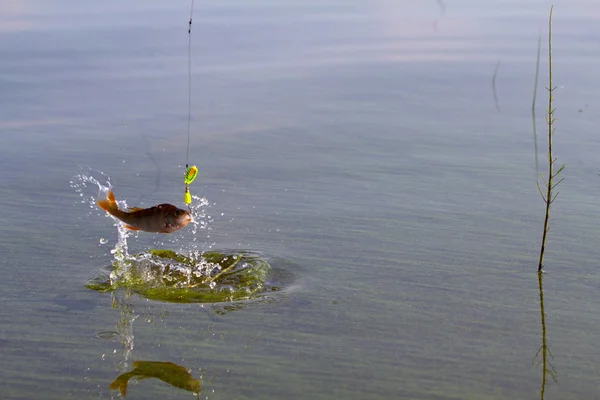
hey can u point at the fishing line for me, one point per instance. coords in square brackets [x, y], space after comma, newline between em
[191, 172]
[187, 157]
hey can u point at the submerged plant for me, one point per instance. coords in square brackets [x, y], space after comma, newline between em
[165, 275]
[550, 183]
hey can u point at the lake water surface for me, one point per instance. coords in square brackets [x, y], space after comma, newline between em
[355, 145]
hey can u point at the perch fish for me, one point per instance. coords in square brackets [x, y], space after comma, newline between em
[163, 218]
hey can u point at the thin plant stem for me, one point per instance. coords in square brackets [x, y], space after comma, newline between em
[494, 86]
[549, 197]
[535, 85]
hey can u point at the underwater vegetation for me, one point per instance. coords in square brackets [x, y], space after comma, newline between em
[165, 275]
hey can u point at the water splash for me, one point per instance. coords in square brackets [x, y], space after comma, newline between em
[168, 276]
[194, 273]
[125, 328]
[81, 181]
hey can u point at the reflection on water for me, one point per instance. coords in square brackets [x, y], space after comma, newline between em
[124, 326]
[173, 374]
[168, 372]
[544, 352]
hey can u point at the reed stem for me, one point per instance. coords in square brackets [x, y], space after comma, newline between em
[549, 197]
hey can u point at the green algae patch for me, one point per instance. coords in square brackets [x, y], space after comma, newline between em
[165, 275]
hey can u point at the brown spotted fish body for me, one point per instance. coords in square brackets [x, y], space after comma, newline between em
[163, 218]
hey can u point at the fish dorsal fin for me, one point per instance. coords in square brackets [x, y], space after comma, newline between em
[132, 209]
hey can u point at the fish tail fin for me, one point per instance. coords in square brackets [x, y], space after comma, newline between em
[109, 204]
[121, 384]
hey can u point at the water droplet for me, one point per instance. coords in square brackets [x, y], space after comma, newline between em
[103, 241]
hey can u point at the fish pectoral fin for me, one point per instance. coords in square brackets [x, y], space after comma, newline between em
[133, 228]
[133, 209]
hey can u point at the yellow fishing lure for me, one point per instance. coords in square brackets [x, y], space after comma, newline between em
[190, 175]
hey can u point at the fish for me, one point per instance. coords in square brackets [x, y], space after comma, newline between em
[163, 218]
[173, 374]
